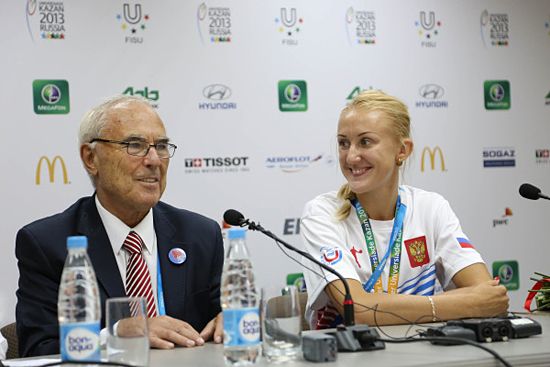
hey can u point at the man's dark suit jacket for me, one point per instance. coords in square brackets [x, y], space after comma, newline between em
[191, 290]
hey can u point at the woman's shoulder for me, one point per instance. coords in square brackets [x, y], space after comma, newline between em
[323, 204]
[416, 197]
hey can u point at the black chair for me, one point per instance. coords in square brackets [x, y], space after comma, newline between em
[10, 333]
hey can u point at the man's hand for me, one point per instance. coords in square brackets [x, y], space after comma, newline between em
[214, 329]
[166, 332]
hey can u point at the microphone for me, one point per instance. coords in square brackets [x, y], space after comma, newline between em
[529, 191]
[235, 218]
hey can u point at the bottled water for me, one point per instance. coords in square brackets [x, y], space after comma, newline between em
[78, 306]
[241, 320]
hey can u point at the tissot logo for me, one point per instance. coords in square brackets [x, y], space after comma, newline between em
[432, 154]
[217, 92]
[432, 96]
[542, 156]
[218, 96]
[499, 157]
[50, 165]
[216, 164]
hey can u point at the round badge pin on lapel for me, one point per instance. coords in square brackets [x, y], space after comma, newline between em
[177, 256]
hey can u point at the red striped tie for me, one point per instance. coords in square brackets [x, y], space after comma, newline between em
[138, 279]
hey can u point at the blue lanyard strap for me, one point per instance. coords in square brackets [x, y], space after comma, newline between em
[160, 291]
[394, 244]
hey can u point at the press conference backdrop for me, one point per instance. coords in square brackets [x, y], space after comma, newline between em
[250, 91]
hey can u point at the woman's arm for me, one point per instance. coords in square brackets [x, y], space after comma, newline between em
[480, 298]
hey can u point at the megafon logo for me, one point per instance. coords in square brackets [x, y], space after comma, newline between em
[497, 94]
[292, 95]
[432, 155]
[50, 164]
[50, 96]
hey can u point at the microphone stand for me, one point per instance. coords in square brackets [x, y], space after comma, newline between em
[349, 315]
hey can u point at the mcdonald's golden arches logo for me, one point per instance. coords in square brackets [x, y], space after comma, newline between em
[51, 168]
[432, 154]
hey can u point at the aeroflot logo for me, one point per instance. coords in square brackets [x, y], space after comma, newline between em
[432, 155]
[51, 164]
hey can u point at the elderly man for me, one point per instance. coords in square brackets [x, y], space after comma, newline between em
[126, 152]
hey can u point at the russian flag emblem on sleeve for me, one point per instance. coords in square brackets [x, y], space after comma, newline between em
[465, 243]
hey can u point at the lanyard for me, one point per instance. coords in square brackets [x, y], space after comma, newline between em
[160, 292]
[377, 266]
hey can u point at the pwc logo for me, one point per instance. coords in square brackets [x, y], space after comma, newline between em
[51, 164]
[432, 155]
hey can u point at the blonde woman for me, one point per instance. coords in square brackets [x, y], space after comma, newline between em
[396, 244]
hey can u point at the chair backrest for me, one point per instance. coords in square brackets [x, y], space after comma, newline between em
[278, 303]
[10, 333]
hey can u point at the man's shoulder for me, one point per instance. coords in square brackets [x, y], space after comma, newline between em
[65, 217]
[175, 214]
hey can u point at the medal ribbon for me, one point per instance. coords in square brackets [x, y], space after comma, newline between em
[377, 265]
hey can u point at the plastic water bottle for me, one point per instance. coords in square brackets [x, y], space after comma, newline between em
[241, 319]
[78, 308]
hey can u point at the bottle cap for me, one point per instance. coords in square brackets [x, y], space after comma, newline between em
[236, 233]
[77, 242]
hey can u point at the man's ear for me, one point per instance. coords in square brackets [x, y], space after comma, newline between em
[88, 156]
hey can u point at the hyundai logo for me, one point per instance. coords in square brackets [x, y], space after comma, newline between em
[217, 92]
[431, 91]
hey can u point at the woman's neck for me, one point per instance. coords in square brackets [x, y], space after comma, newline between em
[380, 204]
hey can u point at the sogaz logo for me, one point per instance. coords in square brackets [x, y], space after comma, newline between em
[499, 157]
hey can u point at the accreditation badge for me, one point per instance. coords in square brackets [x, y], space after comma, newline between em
[417, 249]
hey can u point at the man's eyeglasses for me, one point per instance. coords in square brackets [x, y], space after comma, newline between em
[140, 148]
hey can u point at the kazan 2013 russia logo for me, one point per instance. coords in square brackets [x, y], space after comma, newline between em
[331, 255]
